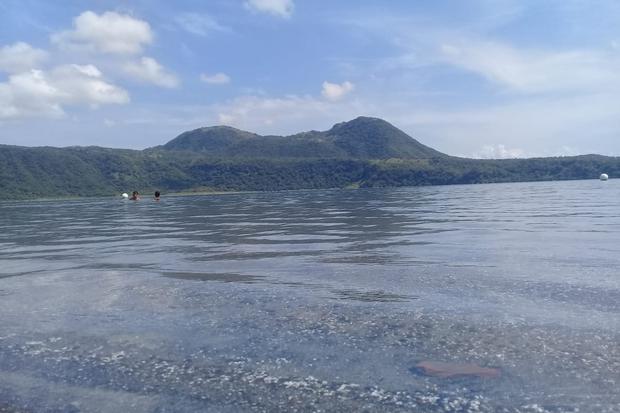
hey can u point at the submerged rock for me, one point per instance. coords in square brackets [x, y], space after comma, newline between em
[451, 370]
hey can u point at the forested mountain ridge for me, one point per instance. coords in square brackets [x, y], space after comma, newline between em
[364, 152]
[361, 138]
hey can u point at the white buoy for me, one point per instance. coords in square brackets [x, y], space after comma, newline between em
[604, 177]
[125, 195]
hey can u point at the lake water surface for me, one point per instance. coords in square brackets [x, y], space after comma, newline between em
[314, 301]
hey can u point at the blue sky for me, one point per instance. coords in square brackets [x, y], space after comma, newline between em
[483, 78]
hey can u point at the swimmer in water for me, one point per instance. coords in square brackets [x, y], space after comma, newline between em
[157, 195]
[135, 195]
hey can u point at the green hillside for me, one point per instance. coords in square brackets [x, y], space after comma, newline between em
[361, 138]
[364, 152]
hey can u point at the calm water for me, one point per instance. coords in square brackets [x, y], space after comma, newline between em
[314, 300]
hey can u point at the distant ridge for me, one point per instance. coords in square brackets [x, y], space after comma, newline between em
[363, 152]
[373, 138]
[215, 139]
[360, 138]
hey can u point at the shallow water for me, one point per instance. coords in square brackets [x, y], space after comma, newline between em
[314, 300]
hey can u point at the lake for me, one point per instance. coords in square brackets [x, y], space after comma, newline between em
[331, 300]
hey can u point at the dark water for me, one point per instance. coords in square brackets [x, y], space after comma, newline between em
[314, 301]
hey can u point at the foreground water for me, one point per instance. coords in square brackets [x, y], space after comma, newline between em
[314, 301]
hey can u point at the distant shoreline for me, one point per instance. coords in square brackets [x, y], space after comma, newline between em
[181, 194]
[364, 152]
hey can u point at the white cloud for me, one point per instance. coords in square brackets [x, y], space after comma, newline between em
[540, 99]
[85, 84]
[225, 119]
[38, 93]
[287, 114]
[499, 151]
[534, 71]
[216, 79]
[20, 57]
[149, 70]
[109, 32]
[29, 94]
[199, 24]
[540, 126]
[427, 47]
[280, 8]
[334, 91]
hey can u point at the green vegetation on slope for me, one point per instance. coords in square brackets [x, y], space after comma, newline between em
[365, 152]
[361, 138]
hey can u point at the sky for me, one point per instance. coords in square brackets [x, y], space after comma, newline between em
[476, 78]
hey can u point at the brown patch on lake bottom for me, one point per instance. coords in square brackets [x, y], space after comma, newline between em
[446, 370]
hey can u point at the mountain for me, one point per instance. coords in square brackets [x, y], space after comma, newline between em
[82, 171]
[214, 139]
[372, 138]
[364, 152]
[361, 138]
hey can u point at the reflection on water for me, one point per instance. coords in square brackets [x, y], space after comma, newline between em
[378, 296]
[227, 278]
[305, 295]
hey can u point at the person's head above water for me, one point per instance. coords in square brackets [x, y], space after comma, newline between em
[135, 195]
[157, 195]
